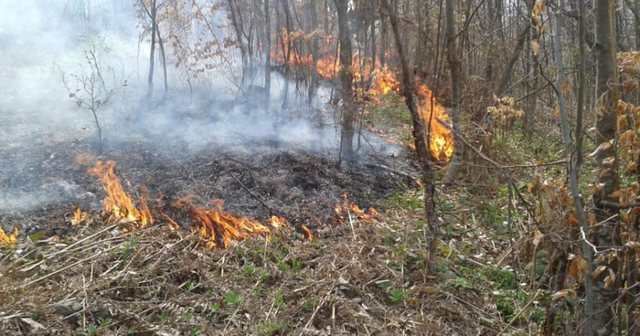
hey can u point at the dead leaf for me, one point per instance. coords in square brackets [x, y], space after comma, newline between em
[561, 294]
[537, 238]
[578, 268]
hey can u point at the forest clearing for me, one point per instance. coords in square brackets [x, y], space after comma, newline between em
[332, 167]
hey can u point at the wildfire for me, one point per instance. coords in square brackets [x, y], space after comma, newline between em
[219, 228]
[327, 68]
[118, 203]
[306, 233]
[79, 216]
[9, 240]
[441, 140]
[346, 208]
[277, 222]
[384, 82]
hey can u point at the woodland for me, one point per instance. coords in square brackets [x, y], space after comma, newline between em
[329, 167]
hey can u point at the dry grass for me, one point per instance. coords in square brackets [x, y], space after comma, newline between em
[352, 279]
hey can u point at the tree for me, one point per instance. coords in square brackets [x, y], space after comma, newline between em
[453, 57]
[89, 89]
[603, 236]
[419, 138]
[346, 80]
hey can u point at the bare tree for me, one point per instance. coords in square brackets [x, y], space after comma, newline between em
[90, 90]
[346, 80]
[603, 236]
[453, 57]
[418, 132]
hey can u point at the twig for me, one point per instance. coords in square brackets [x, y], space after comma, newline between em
[535, 296]
[85, 239]
[306, 326]
[256, 197]
[584, 237]
[353, 231]
[60, 270]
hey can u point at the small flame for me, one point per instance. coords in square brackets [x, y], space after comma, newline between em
[277, 222]
[79, 216]
[306, 233]
[118, 203]
[347, 208]
[441, 140]
[9, 240]
[219, 228]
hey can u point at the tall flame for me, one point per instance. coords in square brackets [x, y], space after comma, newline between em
[118, 203]
[441, 140]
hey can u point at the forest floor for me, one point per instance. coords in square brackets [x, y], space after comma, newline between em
[361, 273]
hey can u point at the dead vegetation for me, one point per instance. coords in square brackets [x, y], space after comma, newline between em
[359, 277]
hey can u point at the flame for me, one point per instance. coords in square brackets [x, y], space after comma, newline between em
[327, 68]
[441, 140]
[277, 222]
[384, 82]
[219, 228]
[306, 233]
[118, 203]
[79, 216]
[347, 207]
[9, 240]
[285, 51]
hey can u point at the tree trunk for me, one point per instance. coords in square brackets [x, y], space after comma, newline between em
[315, 50]
[607, 177]
[233, 13]
[164, 60]
[152, 53]
[572, 166]
[420, 142]
[453, 57]
[346, 80]
[267, 43]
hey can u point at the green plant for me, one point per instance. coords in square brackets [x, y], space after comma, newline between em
[249, 269]
[232, 298]
[309, 305]
[270, 329]
[127, 249]
[215, 307]
[92, 330]
[162, 319]
[195, 331]
[398, 295]
[104, 322]
[279, 298]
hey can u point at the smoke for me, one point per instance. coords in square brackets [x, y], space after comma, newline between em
[42, 40]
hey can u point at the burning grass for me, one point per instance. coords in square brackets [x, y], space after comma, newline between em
[349, 279]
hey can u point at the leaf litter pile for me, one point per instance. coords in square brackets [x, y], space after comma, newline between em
[227, 245]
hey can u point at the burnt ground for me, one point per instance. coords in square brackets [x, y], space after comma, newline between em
[43, 183]
[355, 277]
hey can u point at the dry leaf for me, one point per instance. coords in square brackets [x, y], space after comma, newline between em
[578, 268]
[563, 294]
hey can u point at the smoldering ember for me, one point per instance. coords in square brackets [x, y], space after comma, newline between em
[336, 167]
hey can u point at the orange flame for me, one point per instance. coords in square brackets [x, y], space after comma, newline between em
[307, 233]
[277, 222]
[118, 203]
[441, 140]
[384, 82]
[219, 228]
[347, 208]
[9, 240]
[79, 216]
